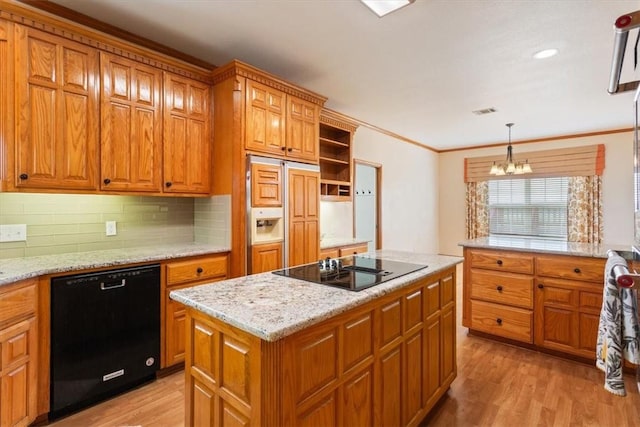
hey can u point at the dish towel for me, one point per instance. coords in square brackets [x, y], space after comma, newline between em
[618, 331]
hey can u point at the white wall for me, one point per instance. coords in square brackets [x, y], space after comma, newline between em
[409, 193]
[617, 187]
[336, 219]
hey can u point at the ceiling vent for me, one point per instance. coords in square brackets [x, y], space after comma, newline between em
[484, 111]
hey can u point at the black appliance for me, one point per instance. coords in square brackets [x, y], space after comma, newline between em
[353, 273]
[105, 335]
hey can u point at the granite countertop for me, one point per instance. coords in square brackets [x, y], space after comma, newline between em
[545, 246]
[332, 242]
[272, 307]
[16, 269]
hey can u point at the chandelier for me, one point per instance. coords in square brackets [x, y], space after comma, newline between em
[509, 167]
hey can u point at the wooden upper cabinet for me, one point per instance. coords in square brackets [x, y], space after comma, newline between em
[302, 129]
[281, 124]
[131, 134]
[265, 119]
[56, 93]
[304, 216]
[187, 136]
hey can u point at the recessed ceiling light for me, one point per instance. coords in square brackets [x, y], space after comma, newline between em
[384, 7]
[547, 53]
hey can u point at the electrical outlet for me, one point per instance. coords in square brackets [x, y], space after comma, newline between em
[111, 228]
[13, 233]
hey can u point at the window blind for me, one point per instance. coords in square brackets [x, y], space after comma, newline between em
[585, 160]
[535, 207]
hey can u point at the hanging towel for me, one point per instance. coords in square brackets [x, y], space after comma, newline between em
[618, 331]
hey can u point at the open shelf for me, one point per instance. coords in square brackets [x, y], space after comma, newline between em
[335, 161]
[336, 133]
[332, 142]
[335, 190]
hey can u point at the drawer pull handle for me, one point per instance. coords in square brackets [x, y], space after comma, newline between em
[576, 270]
[106, 181]
[499, 288]
[24, 176]
[199, 270]
[499, 321]
[540, 286]
[499, 262]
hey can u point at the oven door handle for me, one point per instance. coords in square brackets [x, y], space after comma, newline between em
[113, 285]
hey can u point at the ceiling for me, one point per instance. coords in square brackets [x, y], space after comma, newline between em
[420, 71]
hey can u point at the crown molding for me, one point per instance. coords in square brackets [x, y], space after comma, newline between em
[237, 68]
[41, 15]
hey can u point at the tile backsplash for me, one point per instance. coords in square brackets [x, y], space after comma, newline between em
[63, 223]
[212, 220]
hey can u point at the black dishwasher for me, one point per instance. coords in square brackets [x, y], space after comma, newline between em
[105, 335]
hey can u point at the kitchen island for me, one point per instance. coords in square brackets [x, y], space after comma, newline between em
[272, 351]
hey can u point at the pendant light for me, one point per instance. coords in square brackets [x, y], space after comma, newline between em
[509, 167]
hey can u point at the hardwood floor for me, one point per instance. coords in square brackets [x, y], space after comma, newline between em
[497, 385]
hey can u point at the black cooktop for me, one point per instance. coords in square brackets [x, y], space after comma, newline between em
[355, 273]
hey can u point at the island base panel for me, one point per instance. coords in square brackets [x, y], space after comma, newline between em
[388, 361]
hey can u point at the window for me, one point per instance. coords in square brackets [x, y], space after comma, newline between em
[535, 207]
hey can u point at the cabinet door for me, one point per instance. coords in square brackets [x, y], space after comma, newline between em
[265, 117]
[567, 316]
[56, 112]
[18, 374]
[304, 234]
[266, 185]
[175, 326]
[266, 257]
[187, 139]
[302, 129]
[131, 133]
[389, 391]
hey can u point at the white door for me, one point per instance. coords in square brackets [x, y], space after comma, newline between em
[365, 204]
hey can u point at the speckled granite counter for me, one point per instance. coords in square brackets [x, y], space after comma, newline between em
[333, 242]
[16, 269]
[272, 307]
[545, 246]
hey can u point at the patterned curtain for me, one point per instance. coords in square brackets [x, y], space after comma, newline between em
[477, 204]
[584, 209]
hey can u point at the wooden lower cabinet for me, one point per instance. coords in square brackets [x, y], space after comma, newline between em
[386, 362]
[568, 315]
[182, 274]
[18, 354]
[346, 250]
[354, 250]
[266, 257]
[550, 301]
[331, 253]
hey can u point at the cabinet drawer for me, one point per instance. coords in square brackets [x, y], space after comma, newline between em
[502, 288]
[572, 268]
[17, 301]
[354, 250]
[508, 322]
[331, 253]
[502, 261]
[196, 269]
